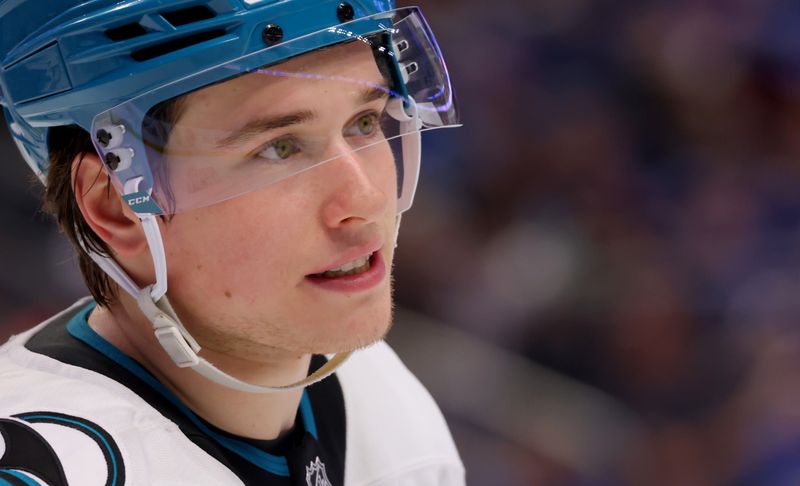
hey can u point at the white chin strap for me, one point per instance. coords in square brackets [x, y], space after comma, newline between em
[171, 333]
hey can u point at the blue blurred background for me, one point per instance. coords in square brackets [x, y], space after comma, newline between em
[600, 279]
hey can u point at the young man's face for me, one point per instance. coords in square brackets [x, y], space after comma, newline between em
[244, 273]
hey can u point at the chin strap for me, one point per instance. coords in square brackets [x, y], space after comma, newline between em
[170, 332]
[183, 349]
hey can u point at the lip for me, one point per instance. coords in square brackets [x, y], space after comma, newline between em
[355, 283]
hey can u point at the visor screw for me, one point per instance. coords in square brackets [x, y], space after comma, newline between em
[345, 12]
[104, 137]
[272, 34]
[112, 160]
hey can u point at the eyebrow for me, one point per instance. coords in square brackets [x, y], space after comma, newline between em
[372, 92]
[265, 124]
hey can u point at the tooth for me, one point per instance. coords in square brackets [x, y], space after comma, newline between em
[355, 267]
[352, 265]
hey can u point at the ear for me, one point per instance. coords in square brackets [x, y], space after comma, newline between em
[103, 208]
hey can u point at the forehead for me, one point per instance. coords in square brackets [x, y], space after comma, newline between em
[337, 69]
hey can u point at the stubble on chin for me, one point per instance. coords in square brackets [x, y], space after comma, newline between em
[264, 340]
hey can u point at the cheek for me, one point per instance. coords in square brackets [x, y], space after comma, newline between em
[236, 249]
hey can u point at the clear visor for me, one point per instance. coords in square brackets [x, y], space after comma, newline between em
[367, 91]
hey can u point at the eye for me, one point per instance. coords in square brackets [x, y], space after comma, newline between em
[280, 149]
[364, 126]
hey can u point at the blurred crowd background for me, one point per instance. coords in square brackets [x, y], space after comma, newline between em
[600, 279]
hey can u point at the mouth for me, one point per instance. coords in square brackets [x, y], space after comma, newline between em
[358, 275]
[356, 267]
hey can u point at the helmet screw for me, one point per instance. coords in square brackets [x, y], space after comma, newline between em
[112, 160]
[272, 34]
[104, 137]
[345, 12]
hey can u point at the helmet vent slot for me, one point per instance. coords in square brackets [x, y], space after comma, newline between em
[188, 15]
[158, 50]
[125, 32]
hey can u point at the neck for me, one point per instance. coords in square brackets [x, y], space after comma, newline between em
[259, 416]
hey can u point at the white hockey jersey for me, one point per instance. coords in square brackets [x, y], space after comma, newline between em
[76, 411]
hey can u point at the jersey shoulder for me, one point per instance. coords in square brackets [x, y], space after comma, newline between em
[62, 425]
[396, 433]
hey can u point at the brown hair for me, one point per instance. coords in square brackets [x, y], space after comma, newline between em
[66, 144]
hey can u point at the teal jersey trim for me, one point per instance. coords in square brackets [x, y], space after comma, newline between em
[79, 328]
[308, 415]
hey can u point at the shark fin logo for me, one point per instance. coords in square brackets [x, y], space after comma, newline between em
[315, 473]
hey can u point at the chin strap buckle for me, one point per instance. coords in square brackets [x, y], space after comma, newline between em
[173, 337]
[174, 344]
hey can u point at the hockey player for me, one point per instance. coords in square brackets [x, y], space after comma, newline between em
[232, 174]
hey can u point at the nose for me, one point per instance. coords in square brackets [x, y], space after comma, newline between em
[358, 186]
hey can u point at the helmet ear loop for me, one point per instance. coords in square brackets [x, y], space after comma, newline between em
[153, 234]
